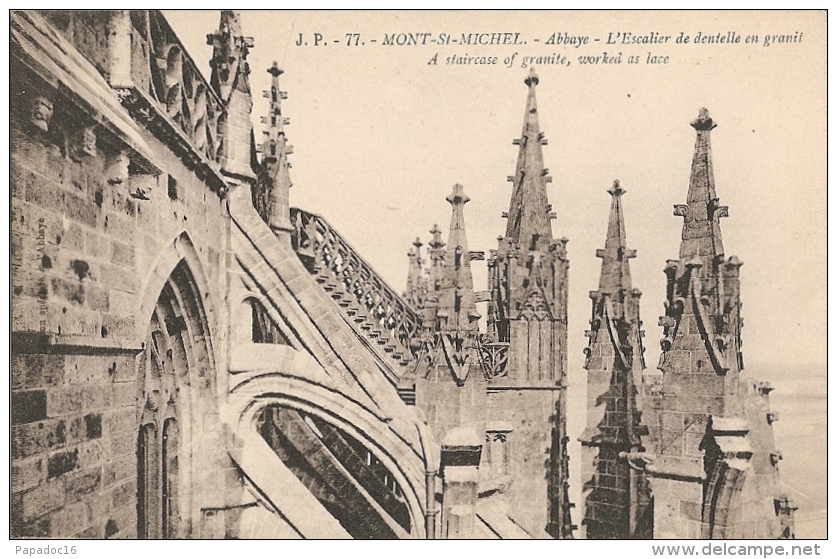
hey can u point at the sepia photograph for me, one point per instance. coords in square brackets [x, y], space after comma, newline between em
[404, 274]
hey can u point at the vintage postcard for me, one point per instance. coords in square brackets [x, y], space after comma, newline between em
[418, 275]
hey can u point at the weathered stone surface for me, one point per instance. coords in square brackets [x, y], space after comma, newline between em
[143, 227]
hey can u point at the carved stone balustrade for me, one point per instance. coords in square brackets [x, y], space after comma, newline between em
[379, 312]
[143, 60]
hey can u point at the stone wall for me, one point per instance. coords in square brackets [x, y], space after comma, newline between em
[535, 455]
[97, 226]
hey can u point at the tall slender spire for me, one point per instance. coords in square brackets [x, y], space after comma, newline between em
[701, 213]
[616, 271]
[275, 152]
[712, 279]
[530, 212]
[614, 366]
[230, 79]
[457, 301]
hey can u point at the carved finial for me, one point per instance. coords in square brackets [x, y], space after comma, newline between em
[616, 189]
[458, 196]
[275, 70]
[229, 65]
[275, 120]
[703, 121]
[437, 241]
[532, 79]
[457, 199]
[416, 291]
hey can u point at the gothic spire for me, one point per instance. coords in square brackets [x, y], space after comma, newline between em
[530, 212]
[616, 272]
[275, 152]
[614, 366]
[701, 213]
[230, 79]
[229, 58]
[457, 299]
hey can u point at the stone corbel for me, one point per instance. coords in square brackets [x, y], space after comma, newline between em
[717, 211]
[81, 143]
[638, 460]
[117, 168]
[41, 110]
[764, 388]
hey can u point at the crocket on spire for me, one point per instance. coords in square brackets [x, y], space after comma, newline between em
[529, 211]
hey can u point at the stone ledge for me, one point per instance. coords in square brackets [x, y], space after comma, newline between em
[42, 342]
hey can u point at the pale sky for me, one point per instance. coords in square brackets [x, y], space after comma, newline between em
[380, 137]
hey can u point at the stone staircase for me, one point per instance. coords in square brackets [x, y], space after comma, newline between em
[377, 313]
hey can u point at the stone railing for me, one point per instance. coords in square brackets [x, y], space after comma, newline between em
[167, 81]
[377, 310]
[143, 60]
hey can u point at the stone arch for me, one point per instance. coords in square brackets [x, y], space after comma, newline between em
[314, 395]
[252, 320]
[181, 248]
[176, 388]
[721, 504]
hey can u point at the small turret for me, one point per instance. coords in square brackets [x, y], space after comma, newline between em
[275, 174]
